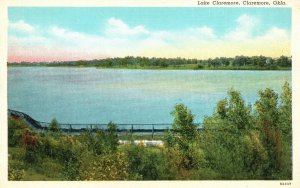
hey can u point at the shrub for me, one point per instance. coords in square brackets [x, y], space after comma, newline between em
[30, 142]
[235, 110]
[15, 168]
[54, 126]
[50, 167]
[16, 128]
[15, 174]
[104, 167]
[112, 137]
[147, 163]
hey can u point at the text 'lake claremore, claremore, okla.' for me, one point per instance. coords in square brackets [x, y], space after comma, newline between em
[251, 3]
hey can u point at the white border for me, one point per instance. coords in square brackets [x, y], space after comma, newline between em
[143, 3]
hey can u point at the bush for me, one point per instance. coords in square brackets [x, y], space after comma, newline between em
[15, 174]
[50, 167]
[54, 126]
[147, 163]
[15, 167]
[101, 142]
[104, 167]
[16, 129]
[30, 142]
[112, 137]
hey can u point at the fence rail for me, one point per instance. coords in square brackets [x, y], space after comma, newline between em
[150, 128]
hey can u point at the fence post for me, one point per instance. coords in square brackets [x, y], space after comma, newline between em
[152, 131]
[131, 131]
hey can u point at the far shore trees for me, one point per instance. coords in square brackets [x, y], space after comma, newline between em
[130, 62]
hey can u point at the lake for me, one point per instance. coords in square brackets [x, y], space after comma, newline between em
[90, 95]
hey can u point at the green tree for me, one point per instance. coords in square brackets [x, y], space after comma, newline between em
[183, 141]
[223, 147]
[267, 108]
[255, 154]
[284, 61]
[285, 113]
[54, 126]
[235, 110]
[183, 125]
[285, 110]
[268, 122]
[112, 136]
[232, 146]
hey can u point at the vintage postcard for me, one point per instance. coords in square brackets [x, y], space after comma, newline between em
[144, 93]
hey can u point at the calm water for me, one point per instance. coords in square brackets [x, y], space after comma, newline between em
[89, 95]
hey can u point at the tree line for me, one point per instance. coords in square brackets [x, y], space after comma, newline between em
[238, 62]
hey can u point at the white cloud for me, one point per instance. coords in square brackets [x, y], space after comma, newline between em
[246, 22]
[206, 32]
[30, 40]
[245, 26]
[21, 25]
[69, 35]
[275, 33]
[118, 27]
[121, 40]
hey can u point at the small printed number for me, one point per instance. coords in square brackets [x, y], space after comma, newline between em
[285, 183]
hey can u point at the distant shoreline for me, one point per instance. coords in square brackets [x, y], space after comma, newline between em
[167, 68]
[129, 62]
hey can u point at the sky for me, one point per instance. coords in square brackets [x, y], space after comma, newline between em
[49, 34]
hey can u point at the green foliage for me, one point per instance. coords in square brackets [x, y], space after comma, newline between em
[267, 109]
[71, 170]
[15, 165]
[284, 61]
[239, 144]
[50, 167]
[268, 120]
[184, 165]
[236, 63]
[275, 120]
[15, 174]
[102, 142]
[256, 156]
[104, 167]
[222, 146]
[235, 110]
[185, 131]
[285, 111]
[16, 129]
[30, 142]
[112, 137]
[146, 163]
[54, 126]
[184, 154]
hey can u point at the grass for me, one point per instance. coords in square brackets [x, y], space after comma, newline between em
[33, 175]
[46, 170]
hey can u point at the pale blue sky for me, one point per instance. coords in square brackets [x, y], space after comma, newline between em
[102, 29]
